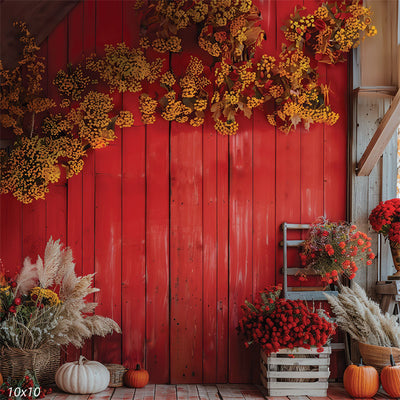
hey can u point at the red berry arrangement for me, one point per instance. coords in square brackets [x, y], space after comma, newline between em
[385, 219]
[26, 388]
[277, 323]
[333, 249]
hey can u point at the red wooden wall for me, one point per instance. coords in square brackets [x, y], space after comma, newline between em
[181, 225]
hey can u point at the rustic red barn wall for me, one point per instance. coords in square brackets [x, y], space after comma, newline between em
[180, 224]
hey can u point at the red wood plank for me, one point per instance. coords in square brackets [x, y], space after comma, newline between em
[108, 202]
[88, 181]
[34, 214]
[157, 240]
[186, 249]
[133, 142]
[186, 254]
[210, 253]
[223, 257]
[264, 138]
[75, 183]
[288, 190]
[33, 229]
[56, 199]
[10, 233]
[240, 244]
[335, 151]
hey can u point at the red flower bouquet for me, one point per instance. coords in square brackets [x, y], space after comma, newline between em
[277, 323]
[333, 249]
[385, 219]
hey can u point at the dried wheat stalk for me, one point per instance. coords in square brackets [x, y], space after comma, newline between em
[362, 318]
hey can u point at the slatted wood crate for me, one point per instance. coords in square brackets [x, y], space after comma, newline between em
[306, 374]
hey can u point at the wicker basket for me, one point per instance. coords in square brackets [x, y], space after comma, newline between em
[43, 361]
[117, 372]
[378, 356]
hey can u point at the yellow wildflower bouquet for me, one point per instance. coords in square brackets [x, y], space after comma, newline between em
[186, 99]
[163, 20]
[231, 30]
[45, 304]
[43, 140]
[236, 91]
[331, 31]
[293, 85]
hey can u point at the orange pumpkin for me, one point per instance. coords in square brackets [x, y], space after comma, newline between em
[136, 378]
[361, 380]
[390, 378]
[1, 379]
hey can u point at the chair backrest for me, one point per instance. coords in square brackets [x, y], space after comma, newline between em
[297, 293]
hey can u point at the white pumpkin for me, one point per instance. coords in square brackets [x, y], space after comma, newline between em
[82, 377]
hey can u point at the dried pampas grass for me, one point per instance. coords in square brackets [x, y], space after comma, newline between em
[362, 318]
[74, 322]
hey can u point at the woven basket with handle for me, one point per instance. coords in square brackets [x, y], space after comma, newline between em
[43, 361]
[117, 372]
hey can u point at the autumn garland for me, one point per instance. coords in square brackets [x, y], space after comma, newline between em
[229, 31]
[44, 140]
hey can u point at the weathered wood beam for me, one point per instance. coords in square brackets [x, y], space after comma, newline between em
[389, 124]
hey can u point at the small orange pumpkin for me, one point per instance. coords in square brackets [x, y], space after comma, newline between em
[390, 378]
[136, 378]
[1, 379]
[361, 380]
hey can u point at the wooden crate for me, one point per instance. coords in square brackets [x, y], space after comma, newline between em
[306, 374]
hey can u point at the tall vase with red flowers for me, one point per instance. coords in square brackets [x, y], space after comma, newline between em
[385, 219]
[334, 249]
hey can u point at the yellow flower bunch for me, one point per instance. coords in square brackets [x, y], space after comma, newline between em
[331, 31]
[147, 107]
[21, 93]
[32, 162]
[124, 119]
[171, 17]
[186, 101]
[71, 83]
[47, 296]
[293, 86]
[237, 91]
[28, 169]
[123, 68]
[94, 123]
[231, 30]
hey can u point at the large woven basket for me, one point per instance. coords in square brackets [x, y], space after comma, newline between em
[378, 356]
[43, 361]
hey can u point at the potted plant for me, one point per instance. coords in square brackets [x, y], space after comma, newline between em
[385, 219]
[43, 308]
[333, 249]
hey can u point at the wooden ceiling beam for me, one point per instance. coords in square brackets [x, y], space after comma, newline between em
[389, 124]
